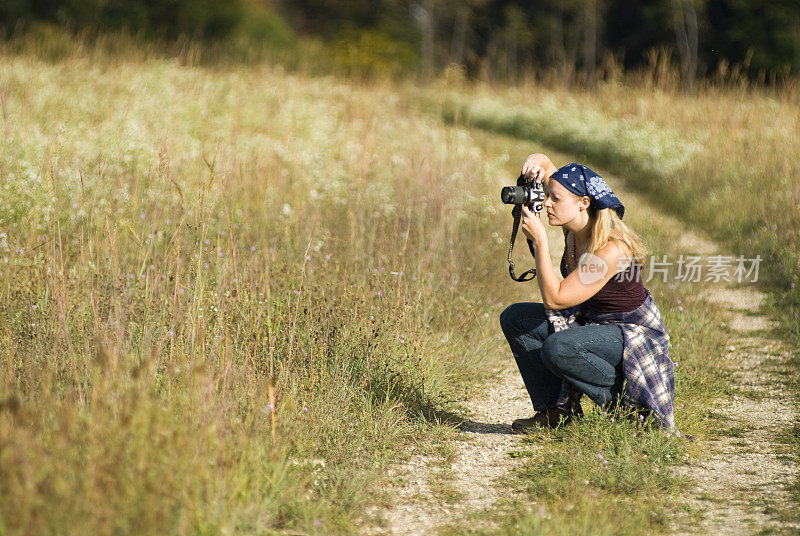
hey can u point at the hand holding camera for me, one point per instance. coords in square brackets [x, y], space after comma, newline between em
[530, 193]
[527, 197]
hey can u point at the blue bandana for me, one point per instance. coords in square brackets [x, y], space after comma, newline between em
[580, 180]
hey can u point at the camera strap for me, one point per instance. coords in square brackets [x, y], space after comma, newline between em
[530, 274]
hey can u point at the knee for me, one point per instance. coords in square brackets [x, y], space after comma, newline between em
[550, 349]
[509, 317]
[555, 353]
[521, 317]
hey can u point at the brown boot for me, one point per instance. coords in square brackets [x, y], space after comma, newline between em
[547, 418]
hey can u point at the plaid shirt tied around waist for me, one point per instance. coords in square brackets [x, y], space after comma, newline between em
[648, 371]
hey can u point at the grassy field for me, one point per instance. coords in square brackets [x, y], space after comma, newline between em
[231, 296]
[227, 295]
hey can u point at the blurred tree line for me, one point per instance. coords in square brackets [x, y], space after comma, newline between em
[506, 38]
[490, 39]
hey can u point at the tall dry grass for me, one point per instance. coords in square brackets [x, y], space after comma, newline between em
[228, 295]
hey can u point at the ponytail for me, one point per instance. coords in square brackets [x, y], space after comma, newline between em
[607, 225]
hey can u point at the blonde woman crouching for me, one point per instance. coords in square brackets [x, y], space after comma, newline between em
[598, 332]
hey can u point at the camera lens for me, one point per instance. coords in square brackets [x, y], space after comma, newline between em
[514, 195]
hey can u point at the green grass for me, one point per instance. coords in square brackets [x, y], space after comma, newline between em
[738, 430]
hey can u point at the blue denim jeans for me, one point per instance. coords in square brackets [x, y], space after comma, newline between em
[588, 357]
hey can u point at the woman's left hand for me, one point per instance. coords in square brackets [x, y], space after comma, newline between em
[532, 226]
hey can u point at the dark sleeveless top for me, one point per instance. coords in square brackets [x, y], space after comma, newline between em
[621, 294]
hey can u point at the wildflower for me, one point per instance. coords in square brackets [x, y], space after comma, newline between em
[305, 409]
[34, 306]
[680, 308]
[599, 456]
[252, 248]
[317, 523]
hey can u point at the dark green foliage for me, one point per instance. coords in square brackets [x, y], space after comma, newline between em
[763, 36]
[503, 37]
[201, 19]
[490, 38]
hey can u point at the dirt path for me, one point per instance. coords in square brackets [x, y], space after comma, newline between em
[480, 461]
[741, 487]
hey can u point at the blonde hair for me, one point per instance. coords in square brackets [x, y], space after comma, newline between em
[607, 225]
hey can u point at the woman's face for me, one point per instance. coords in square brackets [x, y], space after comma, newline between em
[562, 206]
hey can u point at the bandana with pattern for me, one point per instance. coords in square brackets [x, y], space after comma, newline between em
[580, 180]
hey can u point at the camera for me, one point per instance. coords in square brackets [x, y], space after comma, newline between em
[526, 192]
[529, 192]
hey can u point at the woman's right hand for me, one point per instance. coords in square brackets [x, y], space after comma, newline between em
[540, 164]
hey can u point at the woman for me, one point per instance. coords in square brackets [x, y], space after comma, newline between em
[598, 332]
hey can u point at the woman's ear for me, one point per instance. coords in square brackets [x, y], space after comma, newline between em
[584, 202]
